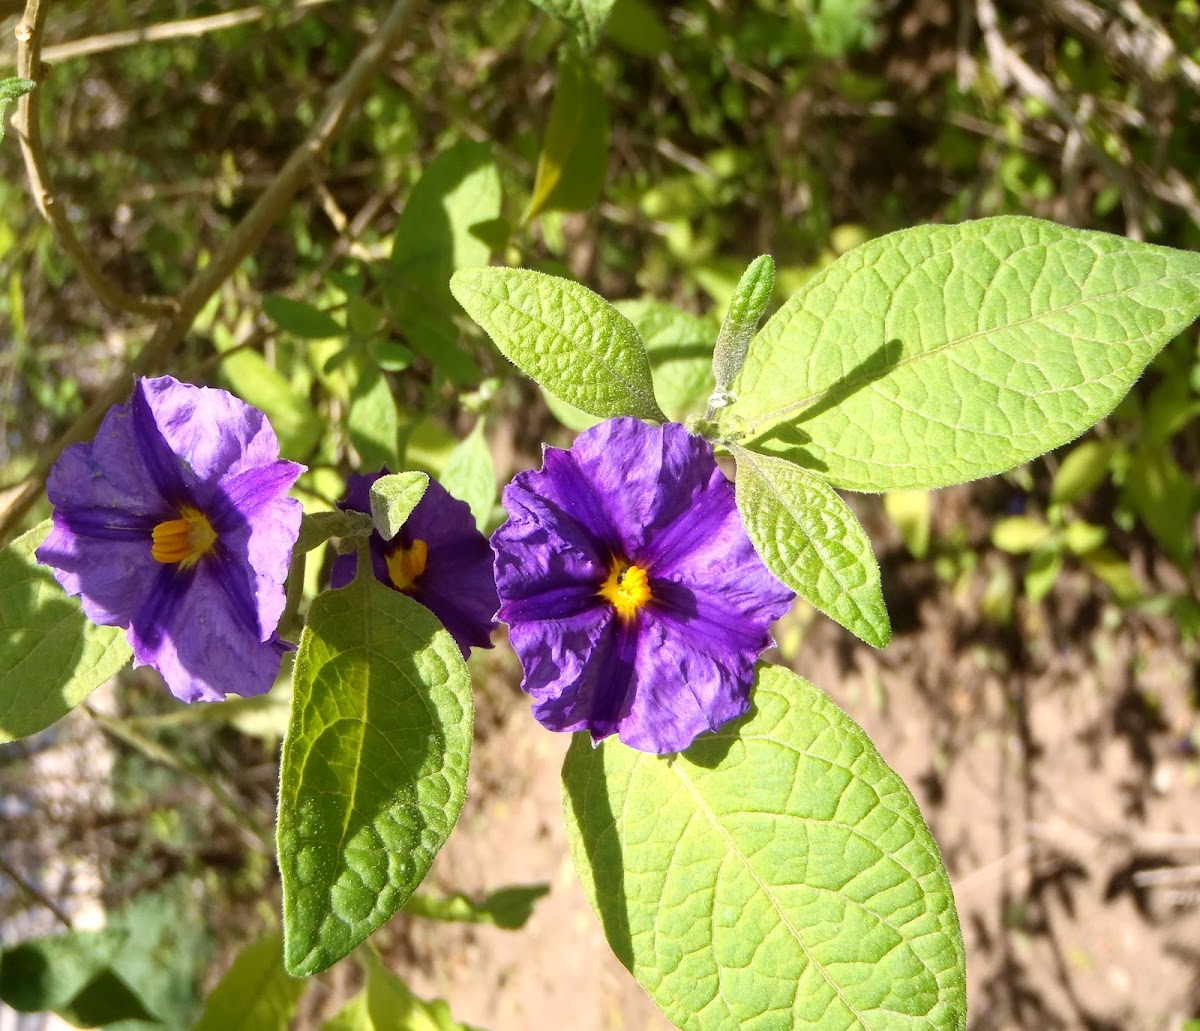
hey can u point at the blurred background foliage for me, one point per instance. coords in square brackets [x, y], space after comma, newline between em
[652, 166]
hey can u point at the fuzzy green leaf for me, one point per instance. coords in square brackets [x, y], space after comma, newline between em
[256, 994]
[393, 497]
[563, 336]
[746, 309]
[12, 89]
[776, 875]
[470, 475]
[941, 354]
[51, 655]
[809, 538]
[374, 766]
[585, 18]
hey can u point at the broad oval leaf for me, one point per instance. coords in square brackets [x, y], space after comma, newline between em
[940, 354]
[565, 337]
[374, 766]
[809, 538]
[256, 993]
[776, 875]
[51, 655]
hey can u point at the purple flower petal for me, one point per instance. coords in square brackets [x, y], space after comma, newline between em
[661, 661]
[204, 612]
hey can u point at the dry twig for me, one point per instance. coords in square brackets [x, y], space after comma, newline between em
[343, 98]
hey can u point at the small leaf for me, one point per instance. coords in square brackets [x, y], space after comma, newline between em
[392, 1007]
[563, 336]
[301, 319]
[1021, 534]
[777, 874]
[940, 354]
[374, 766]
[911, 511]
[746, 309]
[1081, 537]
[635, 26]
[1115, 573]
[1045, 565]
[470, 476]
[256, 994]
[257, 382]
[1082, 471]
[1166, 500]
[373, 422]
[51, 655]
[574, 158]
[393, 497]
[809, 538]
[585, 18]
[508, 908]
[318, 527]
[10, 90]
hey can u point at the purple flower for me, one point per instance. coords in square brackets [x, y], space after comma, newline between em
[635, 600]
[438, 558]
[174, 523]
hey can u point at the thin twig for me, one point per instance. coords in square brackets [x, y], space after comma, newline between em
[184, 29]
[27, 124]
[35, 893]
[343, 99]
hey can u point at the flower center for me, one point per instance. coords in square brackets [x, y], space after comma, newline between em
[627, 587]
[184, 540]
[406, 564]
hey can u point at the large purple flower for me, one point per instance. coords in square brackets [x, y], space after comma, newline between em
[174, 523]
[635, 600]
[438, 558]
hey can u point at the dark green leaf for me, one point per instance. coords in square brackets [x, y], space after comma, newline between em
[301, 319]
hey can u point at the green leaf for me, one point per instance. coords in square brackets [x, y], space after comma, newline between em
[1114, 572]
[354, 1016]
[1166, 499]
[373, 422]
[10, 90]
[679, 346]
[72, 975]
[470, 475]
[393, 497]
[574, 157]
[911, 511]
[256, 994]
[301, 319]
[746, 309]
[1045, 565]
[777, 874]
[440, 230]
[374, 766]
[809, 538]
[318, 527]
[1019, 535]
[940, 354]
[509, 908]
[585, 18]
[392, 1007]
[260, 384]
[635, 26]
[51, 655]
[563, 336]
[1081, 537]
[1082, 471]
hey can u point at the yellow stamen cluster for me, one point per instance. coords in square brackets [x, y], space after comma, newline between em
[406, 564]
[184, 540]
[627, 587]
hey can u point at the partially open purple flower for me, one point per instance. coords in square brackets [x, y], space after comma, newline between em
[438, 558]
[636, 602]
[174, 523]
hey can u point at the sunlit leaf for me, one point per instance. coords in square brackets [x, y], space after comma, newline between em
[509, 908]
[585, 18]
[942, 353]
[373, 421]
[564, 336]
[777, 874]
[51, 655]
[256, 994]
[374, 766]
[393, 497]
[470, 475]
